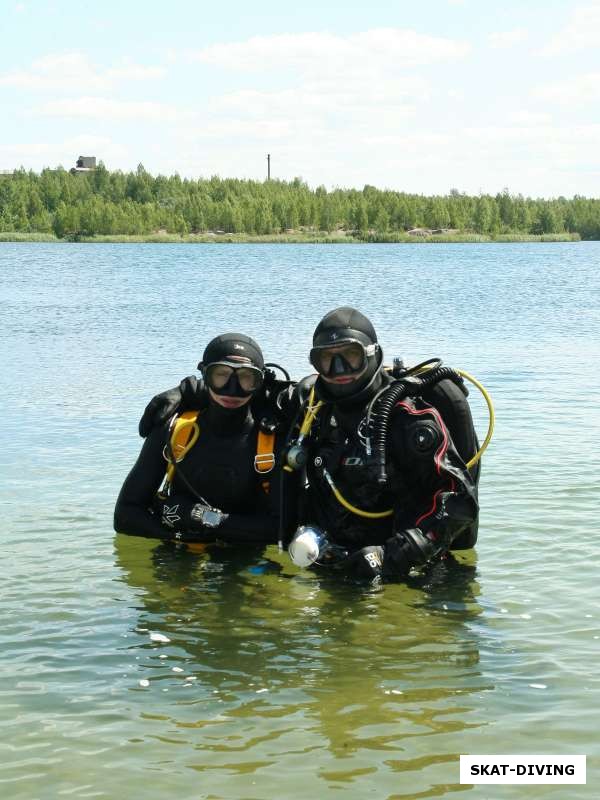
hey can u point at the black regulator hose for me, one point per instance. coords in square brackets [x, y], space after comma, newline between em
[411, 386]
[271, 365]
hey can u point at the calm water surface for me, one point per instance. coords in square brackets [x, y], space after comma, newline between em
[270, 682]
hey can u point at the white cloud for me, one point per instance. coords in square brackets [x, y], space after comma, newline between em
[338, 91]
[582, 90]
[345, 86]
[528, 118]
[581, 32]
[502, 40]
[326, 97]
[379, 49]
[14, 153]
[543, 160]
[128, 71]
[108, 109]
[37, 154]
[69, 72]
[562, 147]
[328, 116]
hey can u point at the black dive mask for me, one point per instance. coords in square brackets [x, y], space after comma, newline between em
[233, 380]
[347, 358]
[355, 390]
[345, 345]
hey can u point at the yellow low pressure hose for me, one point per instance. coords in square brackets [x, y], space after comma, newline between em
[312, 411]
[358, 511]
[490, 406]
[310, 416]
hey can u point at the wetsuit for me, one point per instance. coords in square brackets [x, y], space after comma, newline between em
[431, 492]
[219, 468]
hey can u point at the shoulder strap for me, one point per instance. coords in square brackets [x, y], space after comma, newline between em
[264, 460]
[184, 435]
[183, 432]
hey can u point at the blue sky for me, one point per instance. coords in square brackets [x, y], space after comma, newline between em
[424, 97]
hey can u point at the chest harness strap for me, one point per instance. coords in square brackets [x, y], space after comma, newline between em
[185, 432]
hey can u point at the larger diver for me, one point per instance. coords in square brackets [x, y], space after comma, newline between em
[381, 466]
[386, 460]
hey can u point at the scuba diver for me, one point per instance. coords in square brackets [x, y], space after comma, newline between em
[380, 466]
[381, 458]
[208, 474]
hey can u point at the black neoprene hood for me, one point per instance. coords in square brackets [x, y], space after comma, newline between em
[343, 324]
[223, 347]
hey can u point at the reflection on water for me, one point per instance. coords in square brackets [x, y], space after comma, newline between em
[292, 670]
[277, 683]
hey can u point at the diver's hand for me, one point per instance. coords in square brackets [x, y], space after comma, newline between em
[407, 549]
[180, 514]
[204, 516]
[159, 409]
[365, 564]
[164, 405]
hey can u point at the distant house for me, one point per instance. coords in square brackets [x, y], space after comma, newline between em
[84, 164]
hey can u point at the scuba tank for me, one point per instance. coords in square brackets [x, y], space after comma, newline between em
[443, 388]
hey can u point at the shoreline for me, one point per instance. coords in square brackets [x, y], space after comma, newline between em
[290, 238]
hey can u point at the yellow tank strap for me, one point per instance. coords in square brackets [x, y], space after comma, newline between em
[183, 438]
[264, 460]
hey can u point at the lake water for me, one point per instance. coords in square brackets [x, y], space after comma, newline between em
[277, 683]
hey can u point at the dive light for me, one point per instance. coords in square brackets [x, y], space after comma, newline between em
[308, 544]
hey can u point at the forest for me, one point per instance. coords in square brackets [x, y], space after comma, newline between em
[103, 203]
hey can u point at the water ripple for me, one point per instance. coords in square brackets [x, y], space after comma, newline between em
[270, 682]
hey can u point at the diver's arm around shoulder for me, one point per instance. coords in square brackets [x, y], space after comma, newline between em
[190, 394]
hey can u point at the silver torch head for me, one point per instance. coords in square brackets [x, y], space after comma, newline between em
[307, 545]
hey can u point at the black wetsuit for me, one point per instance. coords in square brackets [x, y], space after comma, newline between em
[220, 470]
[429, 487]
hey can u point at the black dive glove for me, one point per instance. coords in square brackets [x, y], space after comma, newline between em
[410, 548]
[401, 552]
[365, 564]
[189, 394]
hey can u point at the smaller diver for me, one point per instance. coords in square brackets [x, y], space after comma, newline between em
[209, 474]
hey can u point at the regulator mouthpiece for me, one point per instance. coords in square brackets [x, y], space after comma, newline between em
[307, 545]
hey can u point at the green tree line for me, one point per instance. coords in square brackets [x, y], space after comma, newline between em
[136, 203]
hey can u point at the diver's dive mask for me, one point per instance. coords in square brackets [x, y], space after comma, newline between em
[347, 357]
[224, 378]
